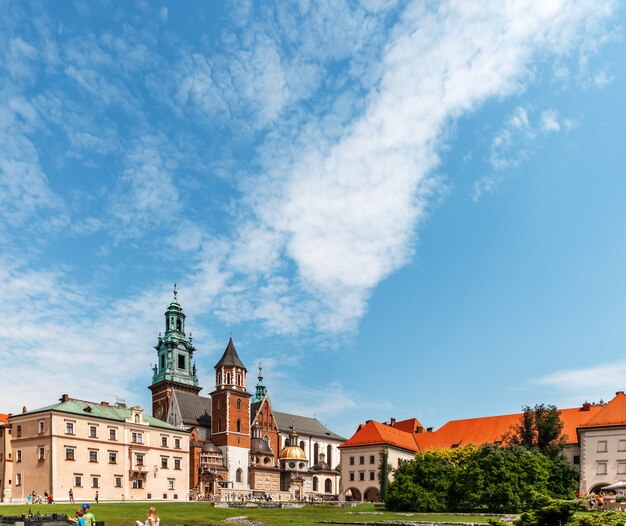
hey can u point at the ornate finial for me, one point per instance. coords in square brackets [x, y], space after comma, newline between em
[260, 369]
[175, 292]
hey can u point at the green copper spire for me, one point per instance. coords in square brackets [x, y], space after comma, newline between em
[261, 390]
[174, 349]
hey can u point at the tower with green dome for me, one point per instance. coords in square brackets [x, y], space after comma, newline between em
[175, 369]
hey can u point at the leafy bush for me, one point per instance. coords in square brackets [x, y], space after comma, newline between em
[555, 514]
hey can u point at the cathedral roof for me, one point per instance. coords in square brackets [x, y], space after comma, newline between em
[210, 447]
[258, 445]
[194, 410]
[230, 357]
[304, 426]
[322, 466]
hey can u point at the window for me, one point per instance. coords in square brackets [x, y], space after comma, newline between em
[42, 453]
[118, 482]
[238, 405]
[69, 428]
[238, 426]
[164, 462]
[18, 455]
[621, 445]
[137, 484]
[69, 453]
[602, 446]
[315, 484]
[139, 459]
[18, 432]
[93, 455]
[18, 479]
[162, 361]
[170, 484]
[112, 434]
[181, 361]
[352, 475]
[352, 461]
[328, 486]
[372, 475]
[228, 378]
[177, 443]
[361, 475]
[95, 482]
[238, 379]
[112, 457]
[136, 438]
[93, 432]
[176, 463]
[361, 460]
[621, 468]
[601, 468]
[576, 460]
[163, 441]
[329, 455]
[238, 475]
[41, 427]
[78, 481]
[372, 459]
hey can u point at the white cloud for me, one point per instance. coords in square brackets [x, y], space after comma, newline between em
[163, 14]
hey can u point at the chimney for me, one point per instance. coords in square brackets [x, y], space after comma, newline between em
[64, 398]
[393, 421]
[586, 406]
[105, 404]
[419, 429]
[24, 410]
[429, 429]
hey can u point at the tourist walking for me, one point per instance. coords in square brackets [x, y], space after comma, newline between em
[96, 497]
[152, 520]
[72, 496]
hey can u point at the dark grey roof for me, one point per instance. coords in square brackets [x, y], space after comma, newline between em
[230, 357]
[305, 425]
[254, 409]
[258, 445]
[194, 410]
[210, 447]
[322, 466]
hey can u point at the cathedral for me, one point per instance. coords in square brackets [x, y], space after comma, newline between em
[239, 446]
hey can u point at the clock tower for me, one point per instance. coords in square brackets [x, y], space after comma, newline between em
[175, 369]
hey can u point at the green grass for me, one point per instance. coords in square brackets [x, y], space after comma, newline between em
[203, 514]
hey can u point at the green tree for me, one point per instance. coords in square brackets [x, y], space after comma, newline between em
[541, 427]
[383, 474]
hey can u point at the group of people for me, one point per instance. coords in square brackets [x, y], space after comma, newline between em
[33, 498]
[84, 517]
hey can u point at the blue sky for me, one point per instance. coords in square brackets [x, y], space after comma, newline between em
[406, 209]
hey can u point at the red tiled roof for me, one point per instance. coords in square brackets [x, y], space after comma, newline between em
[374, 433]
[4, 419]
[611, 414]
[484, 430]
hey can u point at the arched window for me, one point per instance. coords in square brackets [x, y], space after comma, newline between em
[238, 379]
[227, 378]
[328, 485]
[137, 417]
[286, 442]
[178, 326]
[302, 445]
[238, 426]
[238, 404]
[315, 484]
[219, 378]
[329, 455]
[316, 453]
[267, 439]
[239, 475]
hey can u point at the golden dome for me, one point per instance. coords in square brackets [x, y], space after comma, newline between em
[292, 453]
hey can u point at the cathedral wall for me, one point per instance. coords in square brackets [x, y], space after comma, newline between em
[237, 459]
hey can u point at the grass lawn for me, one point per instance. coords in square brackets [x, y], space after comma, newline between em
[203, 514]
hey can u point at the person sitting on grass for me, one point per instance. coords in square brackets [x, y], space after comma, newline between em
[152, 520]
